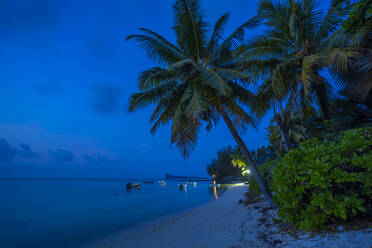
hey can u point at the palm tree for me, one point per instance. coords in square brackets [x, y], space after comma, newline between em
[198, 80]
[290, 53]
[288, 131]
[355, 72]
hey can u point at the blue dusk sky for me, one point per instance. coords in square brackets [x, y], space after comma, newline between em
[66, 72]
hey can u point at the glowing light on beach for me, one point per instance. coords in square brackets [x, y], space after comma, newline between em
[247, 171]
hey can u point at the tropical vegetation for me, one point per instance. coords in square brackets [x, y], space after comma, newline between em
[309, 69]
[323, 182]
[199, 80]
[221, 167]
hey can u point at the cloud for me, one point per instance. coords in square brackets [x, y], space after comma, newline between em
[7, 152]
[95, 159]
[61, 156]
[106, 98]
[25, 152]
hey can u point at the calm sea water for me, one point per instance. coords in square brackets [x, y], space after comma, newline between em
[66, 213]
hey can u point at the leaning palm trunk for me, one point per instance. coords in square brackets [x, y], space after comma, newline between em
[191, 75]
[246, 155]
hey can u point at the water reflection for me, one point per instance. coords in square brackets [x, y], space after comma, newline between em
[217, 190]
[215, 193]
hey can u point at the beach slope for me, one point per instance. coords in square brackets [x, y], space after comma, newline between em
[224, 223]
[216, 224]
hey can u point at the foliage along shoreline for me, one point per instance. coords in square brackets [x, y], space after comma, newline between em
[204, 77]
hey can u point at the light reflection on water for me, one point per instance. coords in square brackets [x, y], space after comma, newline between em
[215, 193]
[64, 213]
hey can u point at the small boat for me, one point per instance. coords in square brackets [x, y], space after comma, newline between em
[162, 183]
[136, 186]
[180, 186]
[129, 186]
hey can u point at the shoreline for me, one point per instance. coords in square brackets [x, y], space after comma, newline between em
[224, 223]
[153, 233]
[138, 227]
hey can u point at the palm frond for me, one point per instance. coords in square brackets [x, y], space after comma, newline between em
[269, 45]
[215, 81]
[172, 98]
[196, 106]
[323, 92]
[282, 76]
[153, 77]
[151, 96]
[334, 18]
[217, 32]
[223, 51]
[339, 60]
[241, 119]
[309, 74]
[185, 136]
[232, 74]
[190, 27]
[157, 49]
[165, 117]
[275, 14]
[180, 65]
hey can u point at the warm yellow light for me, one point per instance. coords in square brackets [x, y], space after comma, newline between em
[215, 193]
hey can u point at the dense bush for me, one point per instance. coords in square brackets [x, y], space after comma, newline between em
[320, 183]
[266, 171]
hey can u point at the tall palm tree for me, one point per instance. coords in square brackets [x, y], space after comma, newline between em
[198, 80]
[291, 52]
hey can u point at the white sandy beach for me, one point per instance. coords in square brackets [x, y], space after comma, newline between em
[224, 223]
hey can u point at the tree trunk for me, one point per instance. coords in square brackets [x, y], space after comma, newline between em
[247, 156]
[324, 109]
[323, 101]
[284, 132]
[285, 137]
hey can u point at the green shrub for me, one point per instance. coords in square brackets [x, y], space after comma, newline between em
[320, 183]
[265, 170]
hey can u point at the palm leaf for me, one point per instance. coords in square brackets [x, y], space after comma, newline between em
[214, 80]
[150, 96]
[153, 77]
[190, 27]
[157, 49]
[217, 32]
